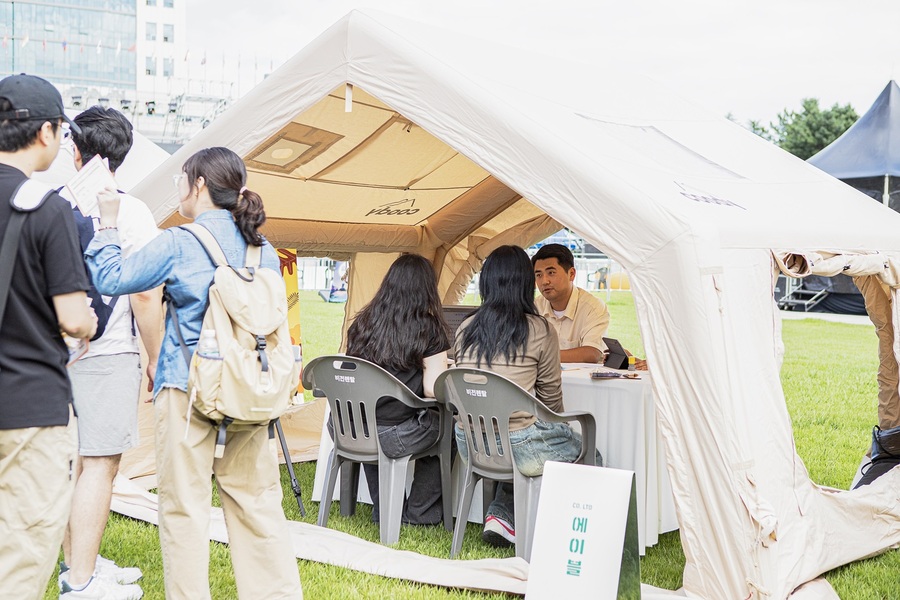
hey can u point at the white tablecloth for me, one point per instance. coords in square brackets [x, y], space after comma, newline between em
[626, 437]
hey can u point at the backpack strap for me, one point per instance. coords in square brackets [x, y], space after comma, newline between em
[30, 195]
[216, 254]
[8, 252]
[170, 306]
[103, 309]
[208, 241]
[27, 197]
[252, 258]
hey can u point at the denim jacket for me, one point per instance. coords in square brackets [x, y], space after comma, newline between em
[177, 259]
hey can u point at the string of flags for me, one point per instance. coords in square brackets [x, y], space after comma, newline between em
[7, 43]
[64, 44]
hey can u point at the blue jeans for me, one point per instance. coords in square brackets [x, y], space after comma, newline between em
[531, 448]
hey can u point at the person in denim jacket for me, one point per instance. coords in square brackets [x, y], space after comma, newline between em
[212, 192]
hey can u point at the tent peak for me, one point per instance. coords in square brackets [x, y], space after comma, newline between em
[871, 147]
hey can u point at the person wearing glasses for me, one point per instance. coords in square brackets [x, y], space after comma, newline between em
[212, 192]
[46, 296]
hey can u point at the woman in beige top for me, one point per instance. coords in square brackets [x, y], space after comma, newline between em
[507, 336]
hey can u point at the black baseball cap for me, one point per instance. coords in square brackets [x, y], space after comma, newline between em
[32, 98]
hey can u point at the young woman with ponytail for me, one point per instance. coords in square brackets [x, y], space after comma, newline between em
[212, 192]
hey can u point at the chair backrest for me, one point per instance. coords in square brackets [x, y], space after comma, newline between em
[353, 387]
[484, 401]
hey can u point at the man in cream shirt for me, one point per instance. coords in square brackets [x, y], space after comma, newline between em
[580, 319]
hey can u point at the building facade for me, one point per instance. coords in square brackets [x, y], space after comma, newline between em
[72, 43]
[128, 54]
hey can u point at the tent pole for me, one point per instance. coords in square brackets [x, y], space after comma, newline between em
[437, 262]
[886, 197]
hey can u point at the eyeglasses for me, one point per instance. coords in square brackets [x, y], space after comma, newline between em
[66, 133]
[176, 180]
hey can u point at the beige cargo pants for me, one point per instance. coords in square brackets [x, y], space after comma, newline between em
[250, 490]
[36, 484]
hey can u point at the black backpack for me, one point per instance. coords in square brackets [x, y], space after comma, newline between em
[103, 310]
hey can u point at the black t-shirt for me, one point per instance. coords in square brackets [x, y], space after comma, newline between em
[394, 412]
[34, 385]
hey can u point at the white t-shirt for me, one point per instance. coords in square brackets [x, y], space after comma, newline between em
[136, 228]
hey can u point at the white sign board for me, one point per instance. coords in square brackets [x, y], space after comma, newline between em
[585, 538]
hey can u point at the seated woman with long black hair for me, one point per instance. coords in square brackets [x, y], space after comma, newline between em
[506, 335]
[403, 331]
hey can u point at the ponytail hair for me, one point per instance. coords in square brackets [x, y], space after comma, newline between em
[249, 216]
[226, 178]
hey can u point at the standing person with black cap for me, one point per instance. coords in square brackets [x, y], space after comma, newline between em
[42, 288]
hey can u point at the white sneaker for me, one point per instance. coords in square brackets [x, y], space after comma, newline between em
[105, 569]
[110, 571]
[101, 589]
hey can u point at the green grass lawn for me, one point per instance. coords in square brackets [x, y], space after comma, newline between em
[829, 381]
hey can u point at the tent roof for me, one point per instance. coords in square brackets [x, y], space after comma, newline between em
[871, 147]
[440, 141]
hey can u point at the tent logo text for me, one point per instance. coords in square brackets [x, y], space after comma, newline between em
[390, 210]
[705, 197]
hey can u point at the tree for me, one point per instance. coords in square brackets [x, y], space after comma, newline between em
[806, 132]
[760, 130]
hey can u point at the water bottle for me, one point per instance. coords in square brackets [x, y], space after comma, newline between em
[208, 345]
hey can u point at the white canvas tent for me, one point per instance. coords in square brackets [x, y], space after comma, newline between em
[452, 146]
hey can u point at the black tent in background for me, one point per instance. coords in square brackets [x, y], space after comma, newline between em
[866, 157]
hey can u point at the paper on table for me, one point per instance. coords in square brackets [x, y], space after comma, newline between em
[87, 183]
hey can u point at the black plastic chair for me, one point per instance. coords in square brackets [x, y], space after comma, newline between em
[353, 386]
[485, 401]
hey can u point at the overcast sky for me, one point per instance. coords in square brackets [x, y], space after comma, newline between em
[752, 58]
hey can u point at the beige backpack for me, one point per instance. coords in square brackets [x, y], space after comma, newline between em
[253, 378]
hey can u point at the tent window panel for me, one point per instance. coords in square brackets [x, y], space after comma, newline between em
[414, 154]
[328, 115]
[457, 172]
[295, 145]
